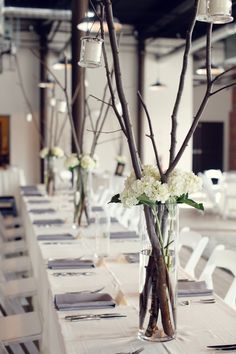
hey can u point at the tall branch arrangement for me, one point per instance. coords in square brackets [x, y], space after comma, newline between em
[157, 269]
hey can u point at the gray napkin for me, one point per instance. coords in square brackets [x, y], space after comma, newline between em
[83, 301]
[38, 201]
[45, 222]
[123, 235]
[42, 211]
[193, 288]
[30, 191]
[55, 237]
[73, 263]
[132, 257]
[97, 208]
[114, 220]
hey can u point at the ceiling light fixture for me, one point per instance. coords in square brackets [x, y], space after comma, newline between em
[157, 86]
[60, 65]
[92, 24]
[47, 84]
[215, 70]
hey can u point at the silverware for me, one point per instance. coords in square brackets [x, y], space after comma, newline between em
[135, 352]
[69, 274]
[201, 301]
[86, 291]
[93, 316]
[222, 347]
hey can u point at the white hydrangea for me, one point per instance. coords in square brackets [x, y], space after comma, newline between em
[149, 185]
[152, 171]
[71, 161]
[181, 182]
[44, 152]
[128, 199]
[57, 152]
[87, 162]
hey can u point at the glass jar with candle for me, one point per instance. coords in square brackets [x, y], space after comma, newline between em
[91, 52]
[220, 11]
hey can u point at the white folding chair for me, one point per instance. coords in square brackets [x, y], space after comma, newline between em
[21, 264]
[12, 248]
[226, 259]
[17, 288]
[18, 331]
[196, 243]
[10, 221]
[10, 234]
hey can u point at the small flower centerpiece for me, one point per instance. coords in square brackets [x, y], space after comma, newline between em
[81, 167]
[162, 199]
[49, 155]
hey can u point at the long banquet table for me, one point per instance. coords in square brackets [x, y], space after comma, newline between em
[199, 324]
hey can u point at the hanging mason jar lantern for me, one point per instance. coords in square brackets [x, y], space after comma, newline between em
[91, 52]
[220, 11]
[202, 11]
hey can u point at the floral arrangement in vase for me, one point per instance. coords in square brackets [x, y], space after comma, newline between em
[81, 168]
[158, 190]
[49, 155]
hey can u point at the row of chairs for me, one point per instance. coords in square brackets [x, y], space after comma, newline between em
[20, 328]
[220, 188]
[220, 258]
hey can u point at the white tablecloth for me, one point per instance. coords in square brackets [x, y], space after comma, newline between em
[198, 324]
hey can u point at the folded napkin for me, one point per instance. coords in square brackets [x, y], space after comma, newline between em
[193, 288]
[114, 220]
[55, 237]
[97, 208]
[38, 201]
[45, 222]
[32, 193]
[73, 263]
[82, 301]
[132, 257]
[123, 235]
[42, 211]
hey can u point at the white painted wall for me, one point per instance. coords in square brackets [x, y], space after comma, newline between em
[217, 110]
[160, 104]
[24, 139]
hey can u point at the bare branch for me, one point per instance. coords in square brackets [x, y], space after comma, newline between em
[61, 130]
[89, 113]
[223, 88]
[100, 100]
[199, 112]
[126, 127]
[181, 84]
[151, 136]
[107, 141]
[222, 74]
[104, 132]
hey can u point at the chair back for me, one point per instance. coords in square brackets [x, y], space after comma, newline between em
[196, 243]
[226, 259]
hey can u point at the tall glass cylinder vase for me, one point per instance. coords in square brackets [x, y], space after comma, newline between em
[158, 274]
[49, 175]
[81, 198]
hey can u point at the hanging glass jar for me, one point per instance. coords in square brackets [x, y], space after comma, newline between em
[158, 276]
[49, 176]
[220, 11]
[91, 52]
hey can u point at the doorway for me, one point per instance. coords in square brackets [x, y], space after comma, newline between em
[4, 140]
[208, 142]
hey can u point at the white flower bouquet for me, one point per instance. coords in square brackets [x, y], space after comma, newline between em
[55, 151]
